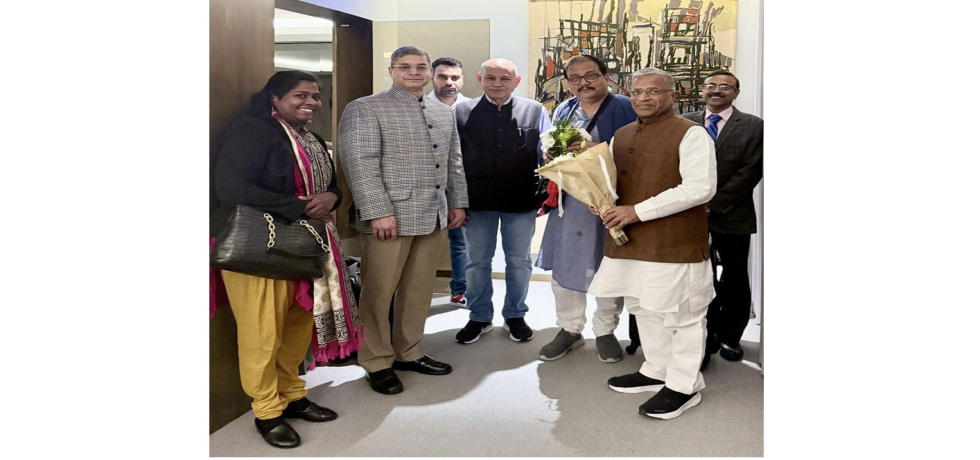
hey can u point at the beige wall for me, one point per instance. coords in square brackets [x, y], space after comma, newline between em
[466, 40]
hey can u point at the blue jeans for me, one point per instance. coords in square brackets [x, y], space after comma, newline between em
[516, 229]
[457, 255]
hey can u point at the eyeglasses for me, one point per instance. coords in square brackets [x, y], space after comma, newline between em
[651, 91]
[722, 88]
[422, 68]
[590, 77]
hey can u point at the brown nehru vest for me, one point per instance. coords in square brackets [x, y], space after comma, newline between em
[648, 162]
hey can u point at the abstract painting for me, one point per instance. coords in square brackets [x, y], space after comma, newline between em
[688, 38]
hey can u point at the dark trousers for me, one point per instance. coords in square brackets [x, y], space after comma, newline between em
[728, 313]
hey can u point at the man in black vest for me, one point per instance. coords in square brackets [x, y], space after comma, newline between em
[731, 213]
[499, 137]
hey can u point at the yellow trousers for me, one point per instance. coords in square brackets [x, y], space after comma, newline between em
[274, 333]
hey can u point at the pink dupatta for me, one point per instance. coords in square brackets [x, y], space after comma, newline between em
[338, 331]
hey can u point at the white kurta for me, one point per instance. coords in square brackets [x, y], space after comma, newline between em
[669, 300]
[663, 287]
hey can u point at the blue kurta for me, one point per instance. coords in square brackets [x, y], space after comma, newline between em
[572, 244]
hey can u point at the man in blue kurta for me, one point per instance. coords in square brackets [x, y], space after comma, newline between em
[572, 243]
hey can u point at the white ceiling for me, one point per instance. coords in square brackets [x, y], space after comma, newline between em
[296, 27]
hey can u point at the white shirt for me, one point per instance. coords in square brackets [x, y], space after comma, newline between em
[666, 287]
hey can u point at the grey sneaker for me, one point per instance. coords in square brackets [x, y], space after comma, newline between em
[610, 350]
[559, 347]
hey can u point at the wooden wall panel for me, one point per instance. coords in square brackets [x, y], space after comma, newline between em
[352, 63]
[242, 47]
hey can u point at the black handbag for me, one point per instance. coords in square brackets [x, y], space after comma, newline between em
[257, 243]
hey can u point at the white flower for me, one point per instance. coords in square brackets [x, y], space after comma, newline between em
[559, 159]
[547, 133]
[585, 134]
[547, 142]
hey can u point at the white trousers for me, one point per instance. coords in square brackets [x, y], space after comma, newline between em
[570, 309]
[673, 344]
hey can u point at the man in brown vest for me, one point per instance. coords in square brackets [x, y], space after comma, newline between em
[667, 172]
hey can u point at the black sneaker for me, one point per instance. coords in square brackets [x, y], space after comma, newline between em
[519, 330]
[472, 331]
[635, 383]
[668, 404]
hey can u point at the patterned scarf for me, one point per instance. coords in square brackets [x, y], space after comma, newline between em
[336, 316]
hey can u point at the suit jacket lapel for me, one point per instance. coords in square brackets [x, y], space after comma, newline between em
[730, 125]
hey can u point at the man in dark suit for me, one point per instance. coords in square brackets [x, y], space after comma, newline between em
[731, 213]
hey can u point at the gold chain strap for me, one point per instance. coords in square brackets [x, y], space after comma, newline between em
[315, 235]
[272, 233]
[272, 230]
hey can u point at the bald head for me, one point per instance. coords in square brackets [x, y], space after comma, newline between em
[499, 78]
[499, 63]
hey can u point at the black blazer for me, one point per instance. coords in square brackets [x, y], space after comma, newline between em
[254, 167]
[739, 153]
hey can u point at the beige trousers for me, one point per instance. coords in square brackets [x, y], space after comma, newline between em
[673, 344]
[570, 310]
[403, 268]
[274, 333]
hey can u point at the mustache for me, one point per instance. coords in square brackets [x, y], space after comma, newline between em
[581, 88]
[716, 95]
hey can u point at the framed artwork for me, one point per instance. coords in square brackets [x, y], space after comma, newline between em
[688, 38]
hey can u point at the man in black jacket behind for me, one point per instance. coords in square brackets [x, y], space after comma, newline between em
[499, 138]
[731, 213]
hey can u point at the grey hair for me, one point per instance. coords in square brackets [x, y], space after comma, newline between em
[653, 71]
[483, 66]
[409, 51]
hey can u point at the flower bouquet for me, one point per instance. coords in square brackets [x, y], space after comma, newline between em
[589, 175]
[562, 140]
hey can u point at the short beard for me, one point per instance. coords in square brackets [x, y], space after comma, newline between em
[442, 93]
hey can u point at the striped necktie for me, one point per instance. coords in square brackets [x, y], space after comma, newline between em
[713, 126]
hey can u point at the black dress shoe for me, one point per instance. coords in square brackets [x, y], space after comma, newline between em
[277, 432]
[712, 344]
[308, 410]
[731, 352]
[423, 365]
[385, 382]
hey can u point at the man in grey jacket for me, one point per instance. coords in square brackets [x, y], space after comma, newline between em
[731, 213]
[400, 152]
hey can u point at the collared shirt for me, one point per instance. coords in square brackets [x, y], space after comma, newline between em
[725, 115]
[459, 98]
[582, 120]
